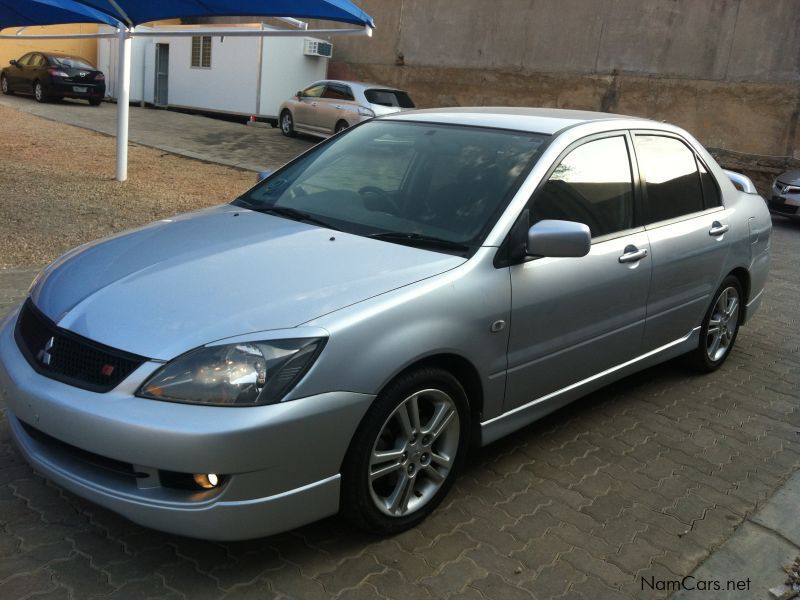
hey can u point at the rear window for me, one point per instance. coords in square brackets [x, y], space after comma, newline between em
[389, 98]
[71, 62]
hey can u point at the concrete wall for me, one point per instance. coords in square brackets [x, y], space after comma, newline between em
[85, 48]
[728, 70]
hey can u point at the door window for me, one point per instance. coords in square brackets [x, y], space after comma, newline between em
[671, 177]
[36, 61]
[335, 91]
[710, 189]
[315, 91]
[24, 60]
[593, 185]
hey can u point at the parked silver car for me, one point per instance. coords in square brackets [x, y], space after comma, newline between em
[337, 337]
[785, 198]
[330, 106]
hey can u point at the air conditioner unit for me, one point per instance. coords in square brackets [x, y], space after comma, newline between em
[317, 48]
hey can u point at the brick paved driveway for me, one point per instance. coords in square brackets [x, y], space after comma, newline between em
[643, 478]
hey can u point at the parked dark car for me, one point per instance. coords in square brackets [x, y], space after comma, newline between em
[52, 76]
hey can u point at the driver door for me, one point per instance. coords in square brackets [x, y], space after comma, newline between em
[573, 318]
[306, 111]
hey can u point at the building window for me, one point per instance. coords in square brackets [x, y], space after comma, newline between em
[201, 51]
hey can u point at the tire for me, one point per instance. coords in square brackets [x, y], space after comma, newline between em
[95, 101]
[5, 87]
[720, 327]
[38, 92]
[287, 124]
[341, 126]
[419, 462]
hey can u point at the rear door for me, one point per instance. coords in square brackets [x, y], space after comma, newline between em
[575, 317]
[686, 226]
[336, 104]
[36, 69]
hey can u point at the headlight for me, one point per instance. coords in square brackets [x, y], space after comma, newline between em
[243, 374]
[366, 112]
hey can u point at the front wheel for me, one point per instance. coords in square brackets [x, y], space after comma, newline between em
[341, 126]
[406, 453]
[6, 89]
[287, 124]
[720, 327]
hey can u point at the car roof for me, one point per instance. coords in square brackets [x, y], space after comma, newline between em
[537, 120]
[362, 85]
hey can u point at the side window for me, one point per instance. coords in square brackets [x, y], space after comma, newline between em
[670, 176]
[36, 61]
[25, 59]
[592, 185]
[315, 91]
[710, 189]
[337, 92]
[201, 51]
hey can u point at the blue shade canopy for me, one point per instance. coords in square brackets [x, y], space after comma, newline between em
[22, 13]
[17, 13]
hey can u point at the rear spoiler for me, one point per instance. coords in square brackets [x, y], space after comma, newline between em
[741, 182]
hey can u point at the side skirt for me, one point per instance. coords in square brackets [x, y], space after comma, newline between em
[500, 426]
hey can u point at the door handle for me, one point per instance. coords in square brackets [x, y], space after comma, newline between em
[717, 228]
[339, 106]
[633, 254]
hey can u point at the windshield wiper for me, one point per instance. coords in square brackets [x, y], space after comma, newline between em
[295, 215]
[419, 240]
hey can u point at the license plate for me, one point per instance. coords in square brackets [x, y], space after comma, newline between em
[79, 89]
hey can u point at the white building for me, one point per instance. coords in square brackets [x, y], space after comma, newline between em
[228, 74]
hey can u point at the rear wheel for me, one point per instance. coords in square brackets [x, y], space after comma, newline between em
[4, 86]
[95, 101]
[720, 327]
[406, 453]
[38, 92]
[287, 124]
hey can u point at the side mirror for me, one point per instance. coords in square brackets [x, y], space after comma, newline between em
[559, 238]
[299, 94]
[262, 175]
[13, 63]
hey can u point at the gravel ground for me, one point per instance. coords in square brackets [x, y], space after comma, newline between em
[57, 188]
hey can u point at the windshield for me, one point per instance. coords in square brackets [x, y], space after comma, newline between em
[425, 182]
[394, 98]
[71, 62]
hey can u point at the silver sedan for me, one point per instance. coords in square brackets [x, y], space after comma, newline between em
[785, 197]
[328, 107]
[336, 338]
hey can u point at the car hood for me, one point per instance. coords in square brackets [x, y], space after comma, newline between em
[180, 283]
[790, 177]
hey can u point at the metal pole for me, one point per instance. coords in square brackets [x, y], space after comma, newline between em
[123, 95]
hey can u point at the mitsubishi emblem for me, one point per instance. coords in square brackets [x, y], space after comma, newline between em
[785, 189]
[44, 355]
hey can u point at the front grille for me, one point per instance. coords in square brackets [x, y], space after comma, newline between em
[97, 461]
[68, 357]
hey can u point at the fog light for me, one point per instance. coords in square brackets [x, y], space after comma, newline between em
[206, 480]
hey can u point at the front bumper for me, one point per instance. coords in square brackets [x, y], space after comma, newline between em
[787, 206]
[281, 462]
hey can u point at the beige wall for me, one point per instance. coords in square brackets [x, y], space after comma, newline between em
[727, 70]
[84, 48]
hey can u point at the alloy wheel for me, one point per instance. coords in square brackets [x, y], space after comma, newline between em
[38, 92]
[722, 324]
[286, 123]
[414, 452]
[4, 85]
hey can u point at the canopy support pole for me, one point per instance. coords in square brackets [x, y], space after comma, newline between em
[123, 101]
